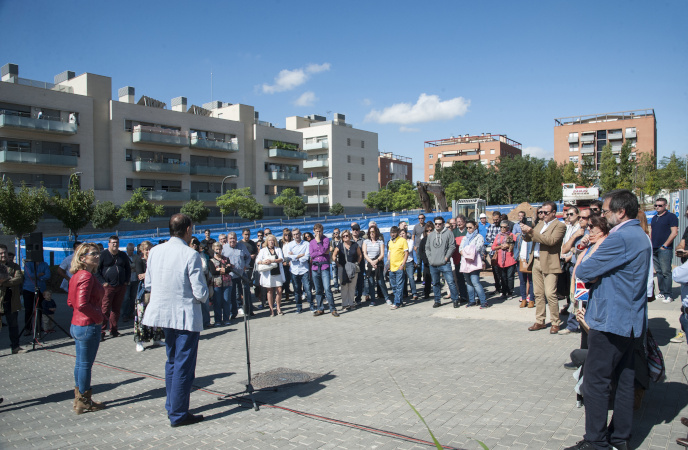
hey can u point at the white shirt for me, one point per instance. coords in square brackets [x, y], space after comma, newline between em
[536, 247]
[292, 250]
[570, 229]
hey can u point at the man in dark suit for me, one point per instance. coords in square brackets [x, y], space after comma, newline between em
[547, 237]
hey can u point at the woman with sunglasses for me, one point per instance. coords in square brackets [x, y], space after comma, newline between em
[472, 264]
[347, 255]
[85, 296]
[374, 254]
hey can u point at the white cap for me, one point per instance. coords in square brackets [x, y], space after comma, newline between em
[482, 215]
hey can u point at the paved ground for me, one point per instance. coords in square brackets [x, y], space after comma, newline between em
[472, 374]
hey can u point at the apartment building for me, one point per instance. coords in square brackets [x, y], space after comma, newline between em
[341, 163]
[485, 149]
[393, 167]
[52, 131]
[581, 136]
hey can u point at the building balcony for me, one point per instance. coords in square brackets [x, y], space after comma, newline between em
[46, 125]
[630, 133]
[313, 199]
[316, 181]
[7, 156]
[316, 164]
[167, 196]
[211, 144]
[615, 135]
[573, 137]
[322, 145]
[287, 176]
[155, 167]
[205, 196]
[588, 137]
[290, 154]
[215, 171]
[589, 150]
[159, 136]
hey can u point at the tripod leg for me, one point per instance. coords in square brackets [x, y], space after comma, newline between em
[249, 386]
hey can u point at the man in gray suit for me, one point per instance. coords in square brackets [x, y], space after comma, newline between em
[178, 287]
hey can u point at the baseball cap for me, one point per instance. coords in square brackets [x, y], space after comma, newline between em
[482, 215]
[355, 226]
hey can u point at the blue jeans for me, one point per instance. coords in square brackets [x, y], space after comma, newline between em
[238, 286]
[475, 288]
[87, 341]
[321, 280]
[526, 293]
[446, 270]
[221, 304]
[180, 371]
[373, 281]
[334, 276]
[662, 261]
[409, 277]
[301, 284]
[396, 281]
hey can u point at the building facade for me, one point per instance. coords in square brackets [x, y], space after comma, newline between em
[485, 149]
[341, 165]
[393, 167]
[578, 137]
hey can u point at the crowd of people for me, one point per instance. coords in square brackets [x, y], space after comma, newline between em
[599, 260]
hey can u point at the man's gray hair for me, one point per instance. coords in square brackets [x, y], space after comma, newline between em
[294, 230]
[221, 236]
[231, 234]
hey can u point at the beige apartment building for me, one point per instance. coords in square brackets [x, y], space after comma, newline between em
[485, 149]
[341, 165]
[72, 127]
[581, 136]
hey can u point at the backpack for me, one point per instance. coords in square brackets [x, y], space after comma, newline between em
[655, 360]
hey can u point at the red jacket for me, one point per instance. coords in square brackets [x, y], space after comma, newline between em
[85, 297]
[503, 258]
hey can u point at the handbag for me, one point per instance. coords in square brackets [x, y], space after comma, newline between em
[523, 266]
[266, 267]
[655, 359]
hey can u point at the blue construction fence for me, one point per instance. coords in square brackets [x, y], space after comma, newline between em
[55, 249]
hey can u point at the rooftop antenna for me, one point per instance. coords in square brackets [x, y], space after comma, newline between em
[211, 83]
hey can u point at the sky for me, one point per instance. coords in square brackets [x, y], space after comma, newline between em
[409, 71]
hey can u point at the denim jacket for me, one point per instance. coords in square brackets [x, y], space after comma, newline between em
[620, 266]
[517, 247]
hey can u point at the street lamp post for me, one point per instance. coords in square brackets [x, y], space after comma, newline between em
[387, 184]
[320, 181]
[222, 192]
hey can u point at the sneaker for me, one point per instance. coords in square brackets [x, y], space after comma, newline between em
[139, 347]
[335, 313]
[371, 304]
[394, 307]
[667, 300]
[18, 350]
[298, 311]
[659, 297]
[218, 324]
[240, 312]
[680, 337]
[471, 305]
[389, 302]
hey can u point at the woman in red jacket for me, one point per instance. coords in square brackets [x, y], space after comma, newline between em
[503, 247]
[85, 296]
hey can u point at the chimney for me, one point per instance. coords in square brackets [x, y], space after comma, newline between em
[64, 76]
[179, 104]
[9, 71]
[126, 94]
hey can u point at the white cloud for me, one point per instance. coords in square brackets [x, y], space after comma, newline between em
[366, 102]
[428, 108]
[306, 99]
[287, 80]
[538, 152]
[404, 129]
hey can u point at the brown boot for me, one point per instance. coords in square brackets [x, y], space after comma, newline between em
[523, 304]
[531, 304]
[76, 396]
[85, 404]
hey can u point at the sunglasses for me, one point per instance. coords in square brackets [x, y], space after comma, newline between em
[92, 254]
[584, 218]
[660, 206]
[570, 214]
[439, 224]
[540, 212]
[470, 228]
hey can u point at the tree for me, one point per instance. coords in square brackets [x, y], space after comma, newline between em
[569, 172]
[75, 210]
[381, 200]
[608, 169]
[553, 181]
[455, 191]
[105, 216]
[20, 211]
[337, 209]
[645, 177]
[241, 202]
[405, 198]
[291, 203]
[626, 166]
[672, 173]
[138, 209]
[196, 211]
[588, 174]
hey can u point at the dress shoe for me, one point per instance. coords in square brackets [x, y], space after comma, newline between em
[523, 304]
[570, 366]
[684, 421]
[436, 305]
[537, 326]
[318, 313]
[102, 337]
[581, 445]
[621, 446]
[456, 304]
[554, 329]
[335, 313]
[531, 304]
[114, 334]
[190, 420]
[682, 441]
[18, 350]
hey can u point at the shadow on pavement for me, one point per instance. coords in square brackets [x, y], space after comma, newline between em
[658, 410]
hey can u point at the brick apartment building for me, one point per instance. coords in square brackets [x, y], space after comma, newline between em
[393, 167]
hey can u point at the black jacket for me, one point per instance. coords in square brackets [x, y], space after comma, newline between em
[113, 269]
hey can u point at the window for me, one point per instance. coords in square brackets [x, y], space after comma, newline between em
[362, 160]
[430, 166]
[128, 125]
[348, 194]
[348, 158]
[362, 144]
[492, 151]
[573, 147]
[362, 177]
[362, 194]
[430, 156]
[348, 176]
[348, 142]
[482, 152]
[573, 159]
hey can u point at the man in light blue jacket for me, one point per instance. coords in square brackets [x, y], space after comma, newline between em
[175, 278]
[617, 274]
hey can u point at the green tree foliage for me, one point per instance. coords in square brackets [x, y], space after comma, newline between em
[553, 181]
[240, 202]
[608, 170]
[568, 172]
[455, 191]
[105, 216]
[645, 176]
[671, 174]
[291, 203]
[396, 196]
[21, 210]
[626, 166]
[196, 211]
[75, 209]
[405, 198]
[138, 209]
[381, 200]
[588, 172]
[337, 209]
